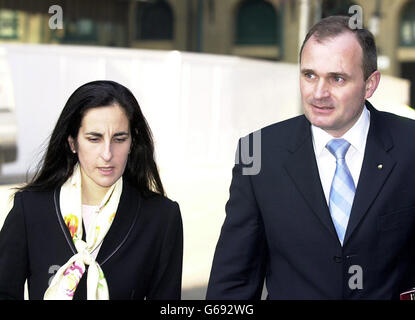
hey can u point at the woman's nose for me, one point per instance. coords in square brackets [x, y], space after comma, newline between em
[106, 152]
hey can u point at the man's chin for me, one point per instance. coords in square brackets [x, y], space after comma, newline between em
[321, 121]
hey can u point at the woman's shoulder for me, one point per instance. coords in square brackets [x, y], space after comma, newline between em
[156, 199]
[160, 209]
[32, 204]
[33, 195]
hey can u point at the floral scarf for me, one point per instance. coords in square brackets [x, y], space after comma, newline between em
[67, 278]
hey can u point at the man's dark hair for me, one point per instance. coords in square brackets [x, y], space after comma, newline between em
[333, 26]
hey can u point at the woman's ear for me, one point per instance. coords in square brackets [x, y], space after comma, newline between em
[71, 144]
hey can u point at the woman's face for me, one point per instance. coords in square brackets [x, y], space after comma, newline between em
[102, 145]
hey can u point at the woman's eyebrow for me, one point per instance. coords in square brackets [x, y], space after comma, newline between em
[122, 133]
[97, 134]
[93, 133]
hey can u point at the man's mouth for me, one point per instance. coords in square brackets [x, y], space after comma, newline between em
[323, 107]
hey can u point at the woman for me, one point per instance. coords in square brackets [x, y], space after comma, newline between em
[94, 222]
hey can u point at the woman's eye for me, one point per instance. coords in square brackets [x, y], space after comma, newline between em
[120, 140]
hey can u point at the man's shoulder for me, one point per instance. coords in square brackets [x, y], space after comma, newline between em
[394, 122]
[393, 131]
[395, 117]
[284, 126]
[284, 130]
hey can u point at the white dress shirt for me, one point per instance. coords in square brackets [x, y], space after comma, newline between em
[326, 161]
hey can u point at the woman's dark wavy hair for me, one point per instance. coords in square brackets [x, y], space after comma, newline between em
[58, 162]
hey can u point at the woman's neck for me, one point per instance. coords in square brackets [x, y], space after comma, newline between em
[92, 194]
[91, 198]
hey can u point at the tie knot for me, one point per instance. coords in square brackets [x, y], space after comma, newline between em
[338, 148]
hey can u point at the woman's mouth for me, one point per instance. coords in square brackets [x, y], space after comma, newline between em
[106, 171]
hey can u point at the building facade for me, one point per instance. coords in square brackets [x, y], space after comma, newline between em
[264, 29]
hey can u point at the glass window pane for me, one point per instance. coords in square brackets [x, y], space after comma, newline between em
[8, 24]
[256, 23]
[155, 21]
[407, 28]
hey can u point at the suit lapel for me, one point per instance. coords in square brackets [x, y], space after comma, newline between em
[376, 168]
[125, 218]
[302, 167]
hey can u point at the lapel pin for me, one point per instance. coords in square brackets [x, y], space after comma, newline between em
[380, 166]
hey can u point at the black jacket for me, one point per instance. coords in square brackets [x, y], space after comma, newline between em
[141, 255]
[278, 225]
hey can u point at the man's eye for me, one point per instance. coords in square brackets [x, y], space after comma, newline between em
[309, 75]
[93, 139]
[338, 79]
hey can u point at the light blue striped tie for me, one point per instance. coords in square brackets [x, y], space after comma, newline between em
[342, 188]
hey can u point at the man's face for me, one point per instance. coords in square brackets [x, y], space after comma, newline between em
[333, 88]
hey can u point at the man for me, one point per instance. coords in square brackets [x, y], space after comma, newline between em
[331, 214]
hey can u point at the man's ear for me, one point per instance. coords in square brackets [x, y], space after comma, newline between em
[71, 142]
[372, 83]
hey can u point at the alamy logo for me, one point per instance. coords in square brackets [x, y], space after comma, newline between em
[52, 270]
[249, 154]
[56, 21]
[356, 280]
[356, 20]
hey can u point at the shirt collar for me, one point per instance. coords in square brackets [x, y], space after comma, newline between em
[356, 135]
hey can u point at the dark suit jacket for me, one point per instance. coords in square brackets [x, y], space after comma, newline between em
[278, 224]
[141, 255]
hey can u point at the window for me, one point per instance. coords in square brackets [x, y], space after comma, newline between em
[336, 7]
[407, 27]
[155, 21]
[256, 23]
[8, 24]
[80, 30]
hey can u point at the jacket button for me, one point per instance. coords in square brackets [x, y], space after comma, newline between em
[337, 259]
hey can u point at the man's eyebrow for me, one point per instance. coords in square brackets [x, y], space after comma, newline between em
[330, 74]
[307, 71]
[339, 74]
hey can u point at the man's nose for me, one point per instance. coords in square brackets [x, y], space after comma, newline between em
[321, 89]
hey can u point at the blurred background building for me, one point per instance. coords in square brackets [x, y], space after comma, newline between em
[265, 29]
[205, 73]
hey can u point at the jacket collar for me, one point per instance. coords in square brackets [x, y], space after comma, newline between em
[302, 167]
[376, 168]
[124, 221]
